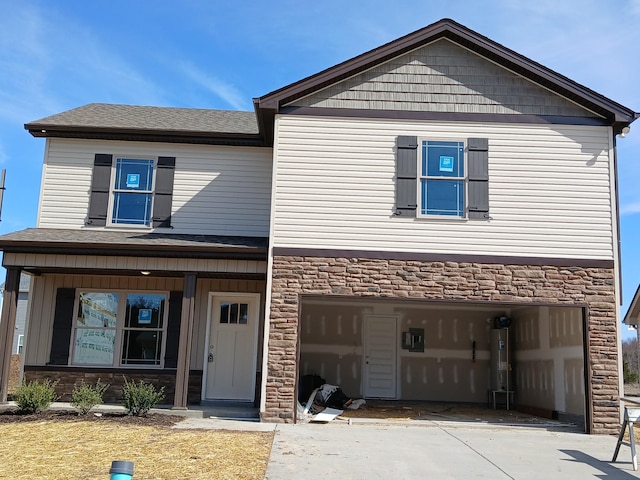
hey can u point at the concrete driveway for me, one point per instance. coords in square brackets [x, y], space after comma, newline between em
[442, 450]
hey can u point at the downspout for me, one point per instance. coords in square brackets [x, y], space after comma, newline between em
[267, 302]
[617, 204]
[617, 266]
[619, 130]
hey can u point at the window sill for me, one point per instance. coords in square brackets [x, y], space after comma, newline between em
[127, 226]
[122, 367]
[97, 369]
[443, 218]
[121, 228]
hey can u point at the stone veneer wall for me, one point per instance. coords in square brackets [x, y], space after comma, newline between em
[68, 377]
[359, 277]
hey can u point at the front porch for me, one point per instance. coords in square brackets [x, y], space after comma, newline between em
[86, 321]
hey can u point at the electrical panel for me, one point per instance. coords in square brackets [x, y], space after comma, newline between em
[413, 340]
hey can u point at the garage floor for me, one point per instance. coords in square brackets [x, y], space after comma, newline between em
[456, 412]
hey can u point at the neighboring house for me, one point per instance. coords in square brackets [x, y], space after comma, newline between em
[21, 313]
[368, 224]
[632, 317]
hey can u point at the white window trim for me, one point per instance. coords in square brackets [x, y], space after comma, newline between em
[420, 177]
[20, 344]
[120, 328]
[112, 191]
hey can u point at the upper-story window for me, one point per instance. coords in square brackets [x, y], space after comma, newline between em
[132, 191]
[442, 178]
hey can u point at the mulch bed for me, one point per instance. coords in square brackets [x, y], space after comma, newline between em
[151, 420]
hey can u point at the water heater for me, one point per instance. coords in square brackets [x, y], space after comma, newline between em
[501, 360]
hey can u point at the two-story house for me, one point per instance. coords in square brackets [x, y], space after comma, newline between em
[377, 223]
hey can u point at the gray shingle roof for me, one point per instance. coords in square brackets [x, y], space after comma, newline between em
[53, 237]
[161, 119]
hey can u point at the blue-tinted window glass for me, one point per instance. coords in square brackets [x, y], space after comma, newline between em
[442, 197]
[442, 184]
[442, 159]
[133, 189]
[132, 208]
[134, 174]
[144, 310]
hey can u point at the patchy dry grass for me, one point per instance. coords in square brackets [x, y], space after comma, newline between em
[84, 450]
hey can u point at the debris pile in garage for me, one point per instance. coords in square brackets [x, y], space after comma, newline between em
[319, 401]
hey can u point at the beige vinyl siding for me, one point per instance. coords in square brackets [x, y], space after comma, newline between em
[218, 190]
[549, 189]
[43, 295]
[442, 77]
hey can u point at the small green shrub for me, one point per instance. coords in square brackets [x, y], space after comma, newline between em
[139, 398]
[84, 396]
[35, 396]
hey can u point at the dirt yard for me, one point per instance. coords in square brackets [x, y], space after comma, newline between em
[56, 445]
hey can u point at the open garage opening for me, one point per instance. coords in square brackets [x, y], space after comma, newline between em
[530, 356]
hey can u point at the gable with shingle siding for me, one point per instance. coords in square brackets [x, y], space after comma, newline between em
[443, 77]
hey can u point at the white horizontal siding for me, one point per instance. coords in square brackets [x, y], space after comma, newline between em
[549, 189]
[218, 190]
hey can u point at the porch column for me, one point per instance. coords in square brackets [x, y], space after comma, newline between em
[184, 345]
[7, 326]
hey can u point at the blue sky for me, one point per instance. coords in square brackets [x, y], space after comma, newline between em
[57, 55]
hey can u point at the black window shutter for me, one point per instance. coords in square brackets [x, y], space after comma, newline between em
[100, 183]
[173, 330]
[406, 175]
[163, 192]
[62, 325]
[478, 191]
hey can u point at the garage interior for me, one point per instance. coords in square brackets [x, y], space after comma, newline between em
[529, 358]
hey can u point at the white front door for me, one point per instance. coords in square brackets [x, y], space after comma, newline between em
[380, 356]
[230, 362]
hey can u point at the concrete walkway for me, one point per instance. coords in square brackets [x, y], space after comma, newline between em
[380, 449]
[434, 449]
[442, 450]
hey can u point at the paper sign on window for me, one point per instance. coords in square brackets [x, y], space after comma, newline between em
[144, 316]
[446, 164]
[133, 180]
